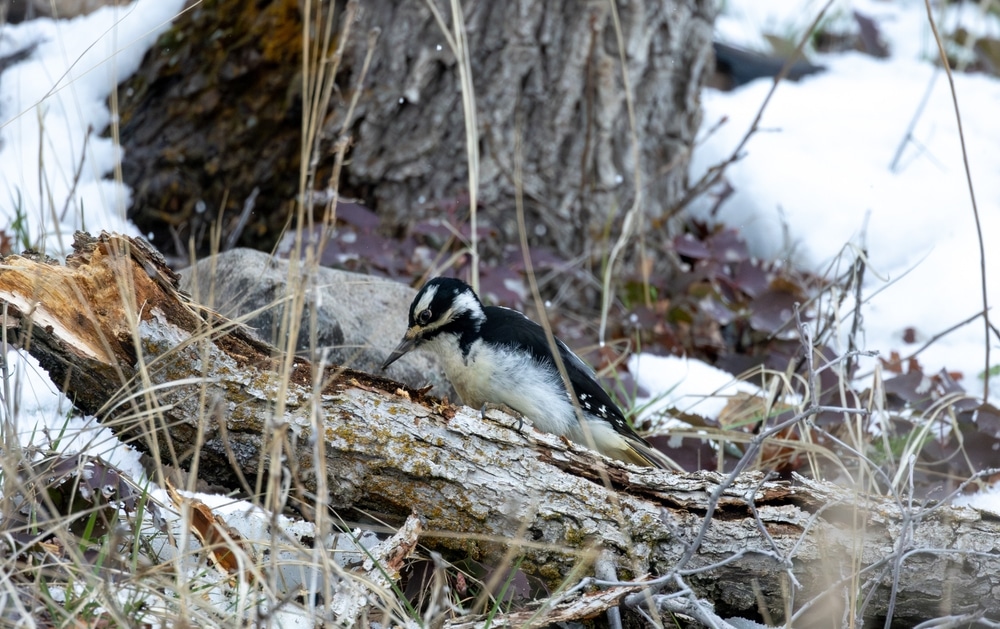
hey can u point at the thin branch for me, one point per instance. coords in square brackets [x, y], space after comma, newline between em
[972, 196]
[908, 137]
[634, 213]
[458, 42]
[944, 333]
[714, 173]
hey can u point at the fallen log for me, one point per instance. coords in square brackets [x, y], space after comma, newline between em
[198, 390]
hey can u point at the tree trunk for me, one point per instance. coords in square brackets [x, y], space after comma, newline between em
[215, 114]
[550, 74]
[111, 327]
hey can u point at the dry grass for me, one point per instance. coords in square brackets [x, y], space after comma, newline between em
[72, 556]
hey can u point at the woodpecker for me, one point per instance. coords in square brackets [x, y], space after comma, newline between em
[495, 355]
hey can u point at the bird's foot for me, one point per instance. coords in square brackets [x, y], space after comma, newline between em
[503, 408]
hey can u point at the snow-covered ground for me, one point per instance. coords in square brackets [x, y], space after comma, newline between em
[825, 168]
[53, 113]
[820, 169]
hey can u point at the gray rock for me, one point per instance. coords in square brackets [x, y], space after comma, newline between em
[359, 319]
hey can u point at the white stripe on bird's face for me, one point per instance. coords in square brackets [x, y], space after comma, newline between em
[426, 297]
[426, 320]
[466, 303]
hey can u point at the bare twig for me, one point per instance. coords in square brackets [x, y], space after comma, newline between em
[634, 213]
[972, 196]
[857, 279]
[457, 41]
[248, 205]
[77, 172]
[944, 333]
[344, 141]
[715, 173]
[908, 137]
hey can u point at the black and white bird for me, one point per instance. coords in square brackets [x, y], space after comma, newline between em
[496, 355]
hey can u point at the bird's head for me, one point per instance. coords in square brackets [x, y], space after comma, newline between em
[443, 306]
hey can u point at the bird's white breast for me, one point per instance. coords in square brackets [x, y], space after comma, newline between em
[501, 376]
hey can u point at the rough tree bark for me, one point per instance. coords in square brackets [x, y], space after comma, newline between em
[479, 485]
[550, 71]
[226, 81]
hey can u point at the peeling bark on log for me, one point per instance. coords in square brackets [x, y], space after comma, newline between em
[480, 485]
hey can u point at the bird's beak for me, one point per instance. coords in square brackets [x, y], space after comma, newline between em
[409, 342]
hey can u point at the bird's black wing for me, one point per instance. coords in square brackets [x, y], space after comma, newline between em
[513, 328]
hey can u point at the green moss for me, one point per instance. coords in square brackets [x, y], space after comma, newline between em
[575, 537]
[553, 573]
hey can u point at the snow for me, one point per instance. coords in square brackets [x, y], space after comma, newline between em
[822, 171]
[48, 103]
[820, 168]
[987, 500]
[687, 385]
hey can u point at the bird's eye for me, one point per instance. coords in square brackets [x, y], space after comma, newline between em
[424, 317]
